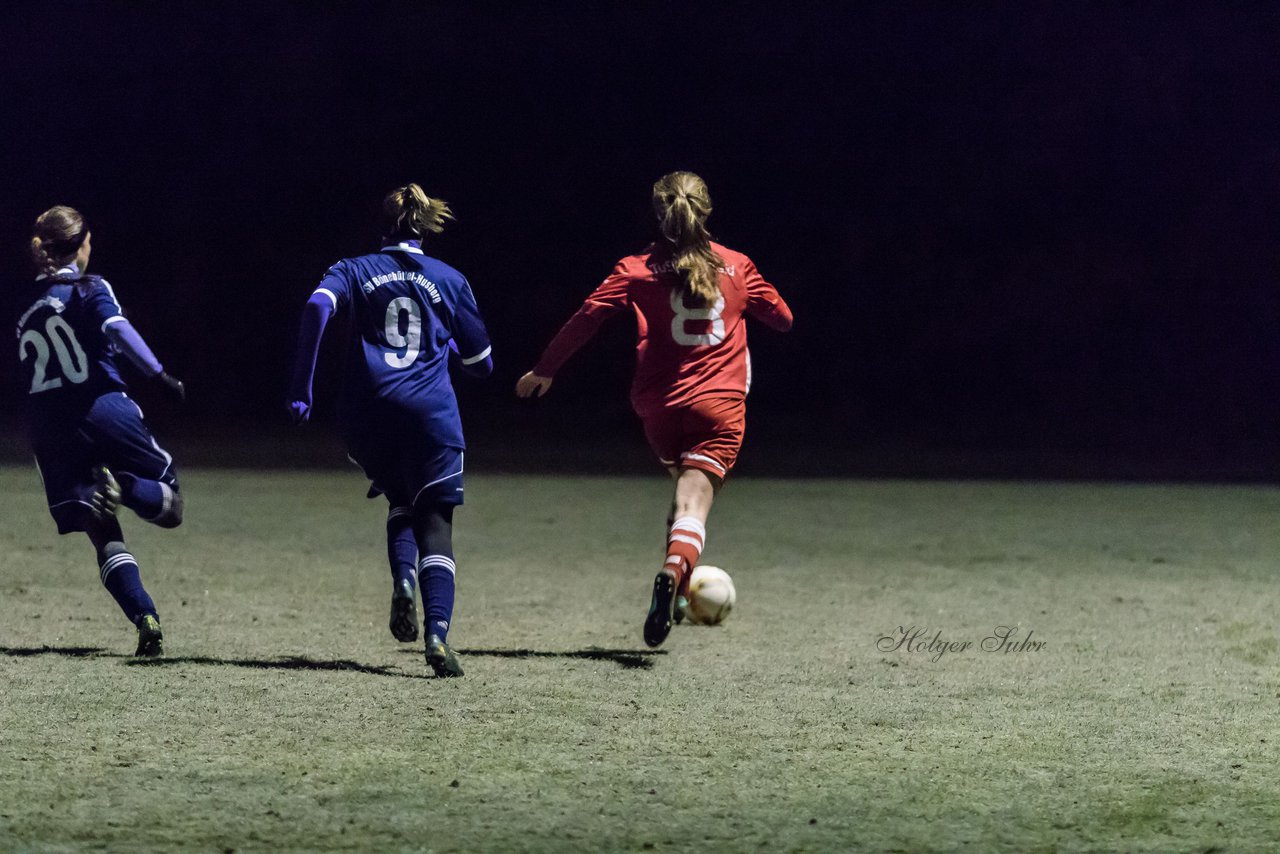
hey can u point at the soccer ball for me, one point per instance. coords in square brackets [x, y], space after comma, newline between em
[711, 596]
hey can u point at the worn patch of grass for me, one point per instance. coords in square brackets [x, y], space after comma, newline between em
[284, 715]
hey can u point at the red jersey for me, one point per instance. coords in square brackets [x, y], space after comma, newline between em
[682, 353]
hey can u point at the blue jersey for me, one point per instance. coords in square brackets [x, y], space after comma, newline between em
[63, 345]
[403, 308]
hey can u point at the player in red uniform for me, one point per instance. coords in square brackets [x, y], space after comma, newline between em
[691, 297]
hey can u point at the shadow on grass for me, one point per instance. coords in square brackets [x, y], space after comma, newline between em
[632, 659]
[293, 662]
[67, 651]
[641, 659]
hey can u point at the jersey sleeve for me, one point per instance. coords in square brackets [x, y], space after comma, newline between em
[100, 302]
[315, 315]
[468, 329]
[127, 340]
[764, 303]
[335, 286]
[612, 296]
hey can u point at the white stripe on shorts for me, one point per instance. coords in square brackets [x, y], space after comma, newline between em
[704, 458]
[461, 466]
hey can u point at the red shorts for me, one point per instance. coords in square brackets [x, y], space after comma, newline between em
[705, 435]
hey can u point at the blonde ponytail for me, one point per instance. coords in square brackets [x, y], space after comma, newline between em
[682, 203]
[58, 235]
[409, 213]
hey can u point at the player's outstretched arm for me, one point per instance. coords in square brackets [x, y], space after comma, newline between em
[129, 342]
[605, 301]
[314, 317]
[532, 385]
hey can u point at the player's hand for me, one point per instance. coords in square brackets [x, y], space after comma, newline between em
[299, 411]
[105, 499]
[532, 385]
[172, 386]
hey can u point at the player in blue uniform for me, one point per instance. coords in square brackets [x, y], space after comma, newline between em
[407, 316]
[93, 449]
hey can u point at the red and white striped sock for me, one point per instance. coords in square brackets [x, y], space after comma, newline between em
[684, 546]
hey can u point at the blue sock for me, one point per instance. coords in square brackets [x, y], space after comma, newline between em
[402, 547]
[119, 574]
[150, 499]
[435, 577]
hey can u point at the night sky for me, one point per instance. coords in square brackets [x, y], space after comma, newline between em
[1025, 228]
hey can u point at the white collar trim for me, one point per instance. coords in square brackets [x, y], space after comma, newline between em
[403, 247]
[70, 269]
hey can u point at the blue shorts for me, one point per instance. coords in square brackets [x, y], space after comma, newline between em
[112, 433]
[413, 475]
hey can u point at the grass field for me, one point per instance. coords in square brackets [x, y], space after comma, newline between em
[284, 716]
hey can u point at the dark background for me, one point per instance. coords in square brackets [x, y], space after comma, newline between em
[1029, 238]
